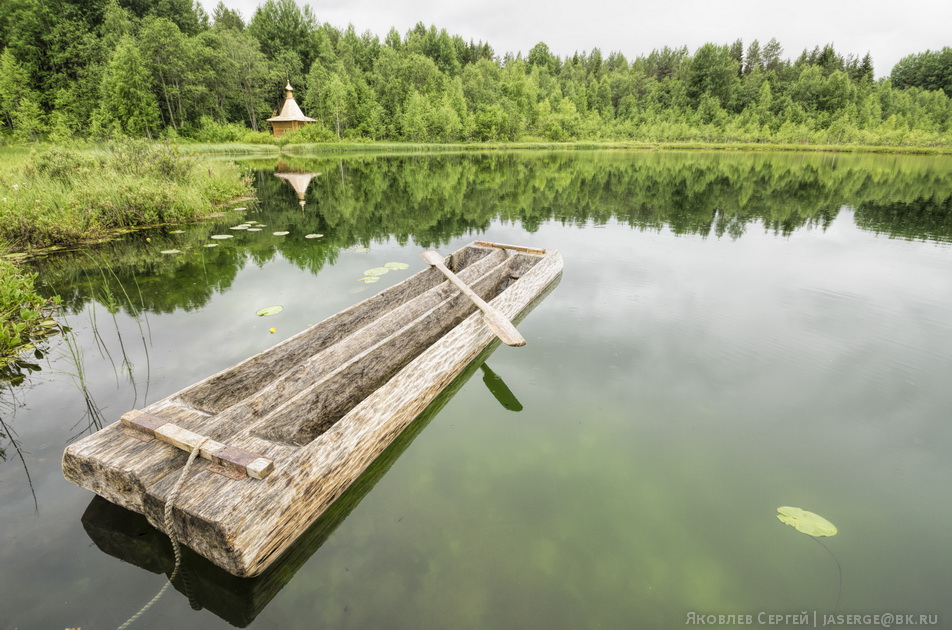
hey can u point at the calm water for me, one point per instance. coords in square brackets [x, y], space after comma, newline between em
[732, 333]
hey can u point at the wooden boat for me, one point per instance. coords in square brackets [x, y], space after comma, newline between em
[284, 433]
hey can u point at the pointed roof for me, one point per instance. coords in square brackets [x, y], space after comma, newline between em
[290, 110]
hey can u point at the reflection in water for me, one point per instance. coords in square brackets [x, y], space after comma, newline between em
[299, 180]
[688, 374]
[435, 198]
[924, 218]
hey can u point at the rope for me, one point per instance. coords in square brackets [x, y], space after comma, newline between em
[176, 549]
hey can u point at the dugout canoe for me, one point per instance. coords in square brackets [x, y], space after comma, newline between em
[286, 432]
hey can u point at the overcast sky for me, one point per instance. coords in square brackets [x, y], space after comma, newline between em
[887, 30]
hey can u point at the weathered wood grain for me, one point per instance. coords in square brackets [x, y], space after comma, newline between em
[322, 408]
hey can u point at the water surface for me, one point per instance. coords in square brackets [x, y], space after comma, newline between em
[732, 333]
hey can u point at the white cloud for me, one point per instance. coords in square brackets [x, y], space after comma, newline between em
[888, 31]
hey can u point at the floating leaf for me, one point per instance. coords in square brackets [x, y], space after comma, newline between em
[269, 310]
[239, 227]
[170, 251]
[376, 271]
[280, 233]
[211, 245]
[222, 236]
[254, 229]
[313, 235]
[806, 522]
[368, 279]
[396, 266]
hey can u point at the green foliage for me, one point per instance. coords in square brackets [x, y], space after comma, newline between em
[127, 105]
[158, 70]
[24, 315]
[928, 70]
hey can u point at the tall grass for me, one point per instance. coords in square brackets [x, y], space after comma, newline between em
[62, 196]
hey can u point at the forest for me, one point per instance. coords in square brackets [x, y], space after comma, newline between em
[96, 69]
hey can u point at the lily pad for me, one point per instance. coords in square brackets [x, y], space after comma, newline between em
[313, 235]
[170, 251]
[806, 522]
[280, 233]
[376, 271]
[269, 310]
[239, 227]
[368, 279]
[396, 266]
[254, 229]
[222, 236]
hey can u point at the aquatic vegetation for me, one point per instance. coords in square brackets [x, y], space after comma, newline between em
[269, 310]
[377, 271]
[396, 266]
[24, 314]
[807, 522]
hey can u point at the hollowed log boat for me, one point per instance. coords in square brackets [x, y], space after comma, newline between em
[284, 433]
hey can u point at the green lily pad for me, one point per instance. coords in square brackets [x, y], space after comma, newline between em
[222, 236]
[396, 266]
[368, 279]
[376, 271]
[239, 227]
[280, 233]
[806, 522]
[269, 310]
[313, 235]
[254, 229]
[170, 251]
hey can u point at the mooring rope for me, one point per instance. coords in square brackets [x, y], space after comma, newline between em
[176, 549]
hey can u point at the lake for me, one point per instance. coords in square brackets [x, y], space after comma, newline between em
[733, 332]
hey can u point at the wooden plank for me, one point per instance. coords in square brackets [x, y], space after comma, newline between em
[516, 248]
[251, 464]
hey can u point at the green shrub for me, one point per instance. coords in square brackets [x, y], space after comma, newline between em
[210, 130]
[258, 137]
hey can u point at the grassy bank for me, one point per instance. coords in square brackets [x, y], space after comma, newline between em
[66, 196]
[414, 147]
[59, 196]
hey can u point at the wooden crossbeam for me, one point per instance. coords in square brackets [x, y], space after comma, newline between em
[253, 465]
[516, 248]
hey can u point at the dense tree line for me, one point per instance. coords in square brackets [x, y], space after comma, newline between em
[94, 68]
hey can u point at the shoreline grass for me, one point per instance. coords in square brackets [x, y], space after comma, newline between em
[63, 196]
[346, 147]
